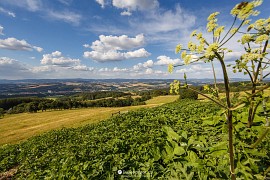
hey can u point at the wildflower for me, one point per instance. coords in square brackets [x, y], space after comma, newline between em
[259, 24]
[199, 36]
[267, 28]
[212, 16]
[206, 87]
[245, 9]
[251, 26]
[170, 68]
[200, 48]
[192, 46]
[187, 59]
[202, 41]
[246, 38]
[210, 51]
[194, 33]
[184, 54]
[174, 87]
[261, 38]
[218, 31]
[246, 22]
[211, 25]
[178, 48]
[251, 56]
[234, 30]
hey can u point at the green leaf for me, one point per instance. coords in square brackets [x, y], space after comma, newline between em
[208, 122]
[219, 153]
[219, 146]
[239, 126]
[171, 134]
[184, 134]
[193, 156]
[190, 176]
[179, 151]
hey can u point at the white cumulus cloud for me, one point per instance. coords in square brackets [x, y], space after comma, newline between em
[38, 49]
[19, 45]
[165, 60]
[56, 58]
[130, 5]
[147, 64]
[115, 48]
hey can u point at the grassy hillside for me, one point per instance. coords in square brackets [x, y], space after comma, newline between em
[162, 100]
[182, 140]
[19, 127]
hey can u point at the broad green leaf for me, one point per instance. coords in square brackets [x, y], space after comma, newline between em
[193, 156]
[179, 151]
[184, 134]
[171, 134]
[219, 146]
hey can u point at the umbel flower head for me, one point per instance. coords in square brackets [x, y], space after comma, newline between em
[212, 22]
[244, 10]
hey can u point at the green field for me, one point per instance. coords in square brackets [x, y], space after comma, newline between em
[19, 127]
[161, 100]
[182, 140]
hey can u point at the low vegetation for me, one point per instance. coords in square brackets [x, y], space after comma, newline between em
[182, 140]
[18, 127]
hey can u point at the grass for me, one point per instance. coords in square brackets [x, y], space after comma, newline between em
[19, 127]
[162, 99]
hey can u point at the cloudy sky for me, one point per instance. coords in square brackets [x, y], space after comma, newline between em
[104, 38]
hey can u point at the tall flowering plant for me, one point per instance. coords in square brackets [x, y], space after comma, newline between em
[253, 62]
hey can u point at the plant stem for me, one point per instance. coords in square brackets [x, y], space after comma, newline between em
[215, 101]
[214, 73]
[229, 113]
[260, 138]
[254, 87]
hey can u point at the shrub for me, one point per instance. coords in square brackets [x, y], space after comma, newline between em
[188, 94]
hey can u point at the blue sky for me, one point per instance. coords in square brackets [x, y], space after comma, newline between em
[104, 38]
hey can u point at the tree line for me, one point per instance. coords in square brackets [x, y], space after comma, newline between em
[32, 105]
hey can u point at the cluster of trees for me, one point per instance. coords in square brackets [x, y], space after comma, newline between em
[100, 95]
[154, 93]
[114, 102]
[20, 105]
[82, 100]
[8, 103]
[188, 94]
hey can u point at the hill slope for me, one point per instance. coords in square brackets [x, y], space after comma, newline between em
[142, 144]
[18, 127]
